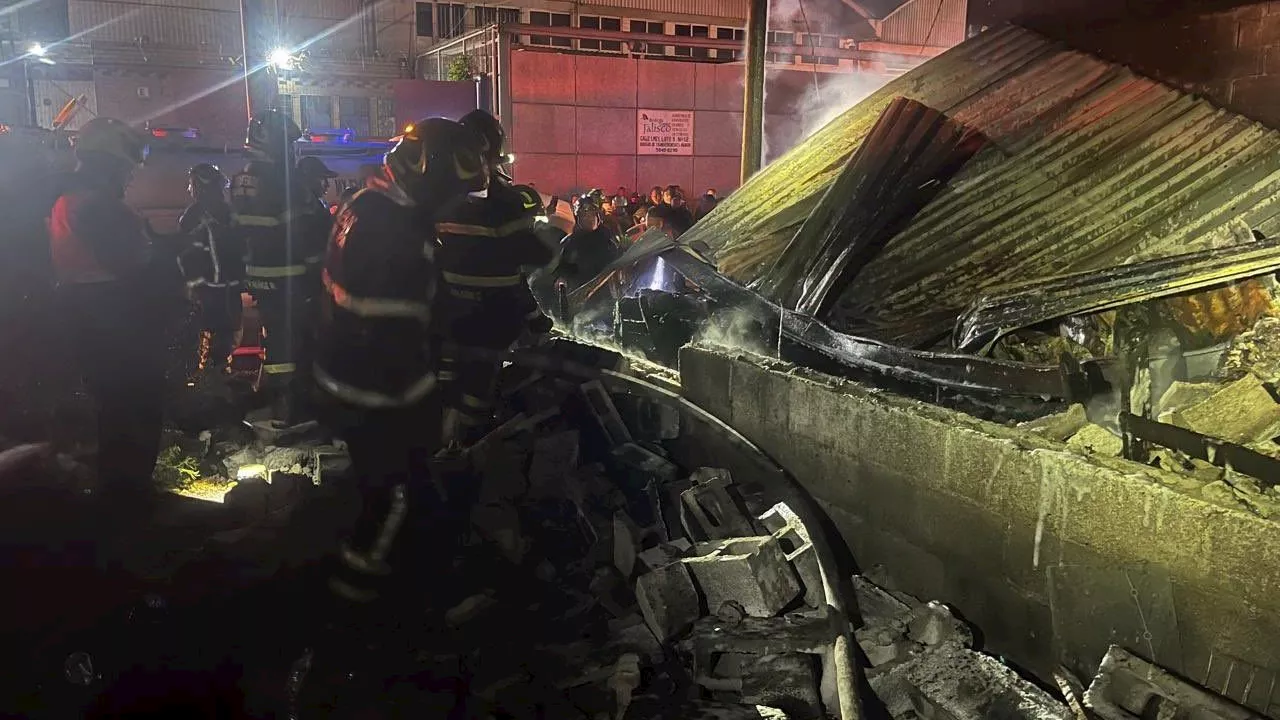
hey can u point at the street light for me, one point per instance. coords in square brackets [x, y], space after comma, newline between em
[37, 50]
[281, 58]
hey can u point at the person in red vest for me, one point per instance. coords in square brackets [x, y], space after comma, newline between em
[111, 289]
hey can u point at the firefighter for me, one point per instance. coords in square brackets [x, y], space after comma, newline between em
[315, 177]
[488, 242]
[375, 362]
[214, 269]
[285, 230]
[110, 298]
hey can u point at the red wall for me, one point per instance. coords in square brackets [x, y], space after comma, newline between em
[573, 123]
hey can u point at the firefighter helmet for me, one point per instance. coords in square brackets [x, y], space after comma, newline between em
[437, 159]
[491, 134]
[208, 176]
[272, 132]
[111, 137]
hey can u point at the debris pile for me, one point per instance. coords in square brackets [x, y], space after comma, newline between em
[658, 589]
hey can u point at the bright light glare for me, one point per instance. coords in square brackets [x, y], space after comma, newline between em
[38, 50]
[281, 58]
[408, 128]
[511, 157]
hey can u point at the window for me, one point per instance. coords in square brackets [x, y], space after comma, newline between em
[317, 112]
[549, 19]
[696, 31]
[451, 19]
[285, 103]
[724, 33]
[384, 121]
[353, 112]
[829, 41]
[422, 24]
[652, 28]
[600, 23]
[781, 38]
[495, 16]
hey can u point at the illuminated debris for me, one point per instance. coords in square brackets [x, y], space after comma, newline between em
[794, 540]
[1182, 395]
[645, 462]
[1098, 440]
[668, 600]
[1128, 687]
[665, 553]
[1059, 426]
[710, 504]
[1256, 351]
[1242, 412]
[788, 682]
[751, 571]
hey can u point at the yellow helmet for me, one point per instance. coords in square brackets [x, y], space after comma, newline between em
[111, 137]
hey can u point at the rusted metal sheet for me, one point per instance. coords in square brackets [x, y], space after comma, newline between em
[1012, 308]
[912, 151]
[932, 23]
[1090, 167]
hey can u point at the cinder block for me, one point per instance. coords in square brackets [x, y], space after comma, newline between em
[787, 682]
[606, 413]
[714, 509]
[668, 600]
[751, 571]
[793, 537]
[646, 462]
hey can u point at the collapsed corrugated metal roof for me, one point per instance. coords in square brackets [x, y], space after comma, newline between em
[1089, 166]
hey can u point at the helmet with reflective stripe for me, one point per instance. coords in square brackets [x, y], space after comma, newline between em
[111, 137]
[272, 132]
[437, 159]
[491, 133]
[208, 176]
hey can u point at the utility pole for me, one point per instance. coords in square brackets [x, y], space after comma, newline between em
[244, 59]
[753, 97]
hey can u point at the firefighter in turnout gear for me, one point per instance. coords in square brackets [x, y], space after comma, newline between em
[315, 177]
[110, 298]
[213, 267]
[376, 361]
[488, 241]
[285, 230]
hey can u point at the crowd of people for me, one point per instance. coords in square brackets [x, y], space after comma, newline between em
[627, 213]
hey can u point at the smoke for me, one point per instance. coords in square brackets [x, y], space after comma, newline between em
[736, 330]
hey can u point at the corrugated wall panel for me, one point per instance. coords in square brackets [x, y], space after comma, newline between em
[935, 23]
[52, 95]
[203, 22]
[731, 9]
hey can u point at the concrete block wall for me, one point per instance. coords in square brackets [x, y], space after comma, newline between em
[1053, 555]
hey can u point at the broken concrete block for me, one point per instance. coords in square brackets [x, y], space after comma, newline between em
[1058, 426]
[752, 571]
[793, 537]
[787, 682]
[645, 462]
[1098, 440]
[1127, 686]
[1256, 352]
[626, 539]
[605, 413]
[665, 553]
[1183, 395]
[934, 624]
[668, 600]
[713, 507]
[1241, 412]
[332, 464]
[554, 458]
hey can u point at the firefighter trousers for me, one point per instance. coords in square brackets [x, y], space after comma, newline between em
[220, 316]
[400, 519]
[489, 323]
[118, 341]
[285, 307]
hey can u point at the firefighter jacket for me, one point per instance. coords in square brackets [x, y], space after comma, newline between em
[94, 237]
[487, 242]
[284, 228]
[216, 255]
[375, 320]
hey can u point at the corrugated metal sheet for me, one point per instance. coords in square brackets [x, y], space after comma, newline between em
[728, 9]
[193, 23]
[934, 23]
[1091, 166]
[57, 94]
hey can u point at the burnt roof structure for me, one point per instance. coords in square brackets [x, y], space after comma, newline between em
[1087, 166]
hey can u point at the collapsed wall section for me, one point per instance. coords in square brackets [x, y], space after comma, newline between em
[1054, 555]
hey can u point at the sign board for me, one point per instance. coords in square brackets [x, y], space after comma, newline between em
[664, 132]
